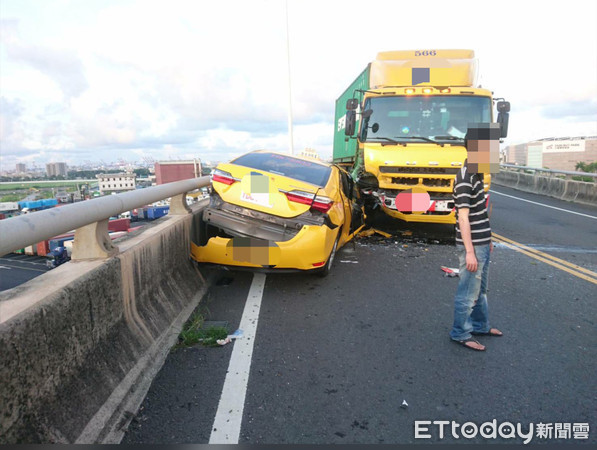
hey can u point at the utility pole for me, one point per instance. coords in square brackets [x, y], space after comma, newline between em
[290, 138]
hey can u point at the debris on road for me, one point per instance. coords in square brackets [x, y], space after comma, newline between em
[372, 231]
[224, 341]
[404, 404]
[450, 272]
[237, 334]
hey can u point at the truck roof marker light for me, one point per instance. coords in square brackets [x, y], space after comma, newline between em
[446, 91]
[409, 91]
[427, 90]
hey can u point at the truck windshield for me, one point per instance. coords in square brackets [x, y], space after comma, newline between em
[441, 118]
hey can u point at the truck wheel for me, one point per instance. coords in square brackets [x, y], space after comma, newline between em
[328, 265]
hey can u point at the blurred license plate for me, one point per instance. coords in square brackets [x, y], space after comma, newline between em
[257, 199]
[442, 205]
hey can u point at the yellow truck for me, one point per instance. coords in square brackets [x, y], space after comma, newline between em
[400, 129]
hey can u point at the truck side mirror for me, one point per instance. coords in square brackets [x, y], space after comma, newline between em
[503, 117]
[352, 104]
[503, 106]
[351, 118]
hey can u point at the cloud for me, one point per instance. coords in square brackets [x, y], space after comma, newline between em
[580, 110]
[64, 68]
[210, 78]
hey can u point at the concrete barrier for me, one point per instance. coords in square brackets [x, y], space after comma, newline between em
[80, 344]
[570, 190]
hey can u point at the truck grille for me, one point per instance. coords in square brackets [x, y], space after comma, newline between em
[405, 180]
[419, 170]
[436, 182]
[429, 182]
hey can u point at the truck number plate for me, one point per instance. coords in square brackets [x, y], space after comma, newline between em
[442, 205]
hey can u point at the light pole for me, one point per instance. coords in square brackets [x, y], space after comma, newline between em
[290, 138]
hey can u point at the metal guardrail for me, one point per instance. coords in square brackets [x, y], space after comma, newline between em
[551, 171]
[90, 219]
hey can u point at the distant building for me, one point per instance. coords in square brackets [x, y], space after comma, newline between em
[116, 182]
[21, 168]
[554, 153]
[516, 154]
[56, 169]
[169, 171]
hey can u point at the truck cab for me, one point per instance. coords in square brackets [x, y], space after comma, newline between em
[405, 120]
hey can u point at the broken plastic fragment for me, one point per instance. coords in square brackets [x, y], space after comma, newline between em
[224, 341]
[383, 233]
[450, 272]
[237, 334]
[404, 404]
[371, 231]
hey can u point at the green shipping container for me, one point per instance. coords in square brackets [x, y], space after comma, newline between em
[345, 148]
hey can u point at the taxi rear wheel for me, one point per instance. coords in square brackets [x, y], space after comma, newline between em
[328, 265]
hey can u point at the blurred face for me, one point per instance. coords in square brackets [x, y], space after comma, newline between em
[484, 156]
[483, 148]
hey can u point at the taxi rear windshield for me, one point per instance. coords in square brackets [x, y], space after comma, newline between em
[298, 169]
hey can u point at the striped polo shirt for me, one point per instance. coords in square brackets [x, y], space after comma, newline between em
[469, 193]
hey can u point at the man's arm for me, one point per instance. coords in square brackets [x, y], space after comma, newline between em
[465, 232]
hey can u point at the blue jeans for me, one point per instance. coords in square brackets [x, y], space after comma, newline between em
[471, 312]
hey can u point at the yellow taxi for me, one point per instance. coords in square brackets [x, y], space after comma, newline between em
[274, 212]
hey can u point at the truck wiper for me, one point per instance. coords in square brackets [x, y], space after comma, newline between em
[392, 141]
[449, 138]
[422, 138]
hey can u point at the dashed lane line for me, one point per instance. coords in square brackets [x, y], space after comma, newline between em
[6, 266]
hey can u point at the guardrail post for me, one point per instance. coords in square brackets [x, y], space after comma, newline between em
[93, 242]
[178, 205]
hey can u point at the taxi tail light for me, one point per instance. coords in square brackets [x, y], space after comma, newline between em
[319, 264]
[223, 177]
[319, 203]
[322, 204]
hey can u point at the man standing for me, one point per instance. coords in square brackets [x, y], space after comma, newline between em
[473, 236]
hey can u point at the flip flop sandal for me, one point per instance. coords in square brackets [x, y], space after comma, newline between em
[491, 332]
[466, 341]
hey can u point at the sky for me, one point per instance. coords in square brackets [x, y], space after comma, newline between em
[92, 81]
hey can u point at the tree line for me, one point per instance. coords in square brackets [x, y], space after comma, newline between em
[587, 167]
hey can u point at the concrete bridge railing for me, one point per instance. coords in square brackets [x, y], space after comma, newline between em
[548, 182]
[81, 343]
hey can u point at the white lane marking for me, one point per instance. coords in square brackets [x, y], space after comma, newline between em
[542, 204]
[226, 427]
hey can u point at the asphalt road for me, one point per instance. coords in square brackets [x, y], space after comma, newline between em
[336, 360]
[16, 269]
